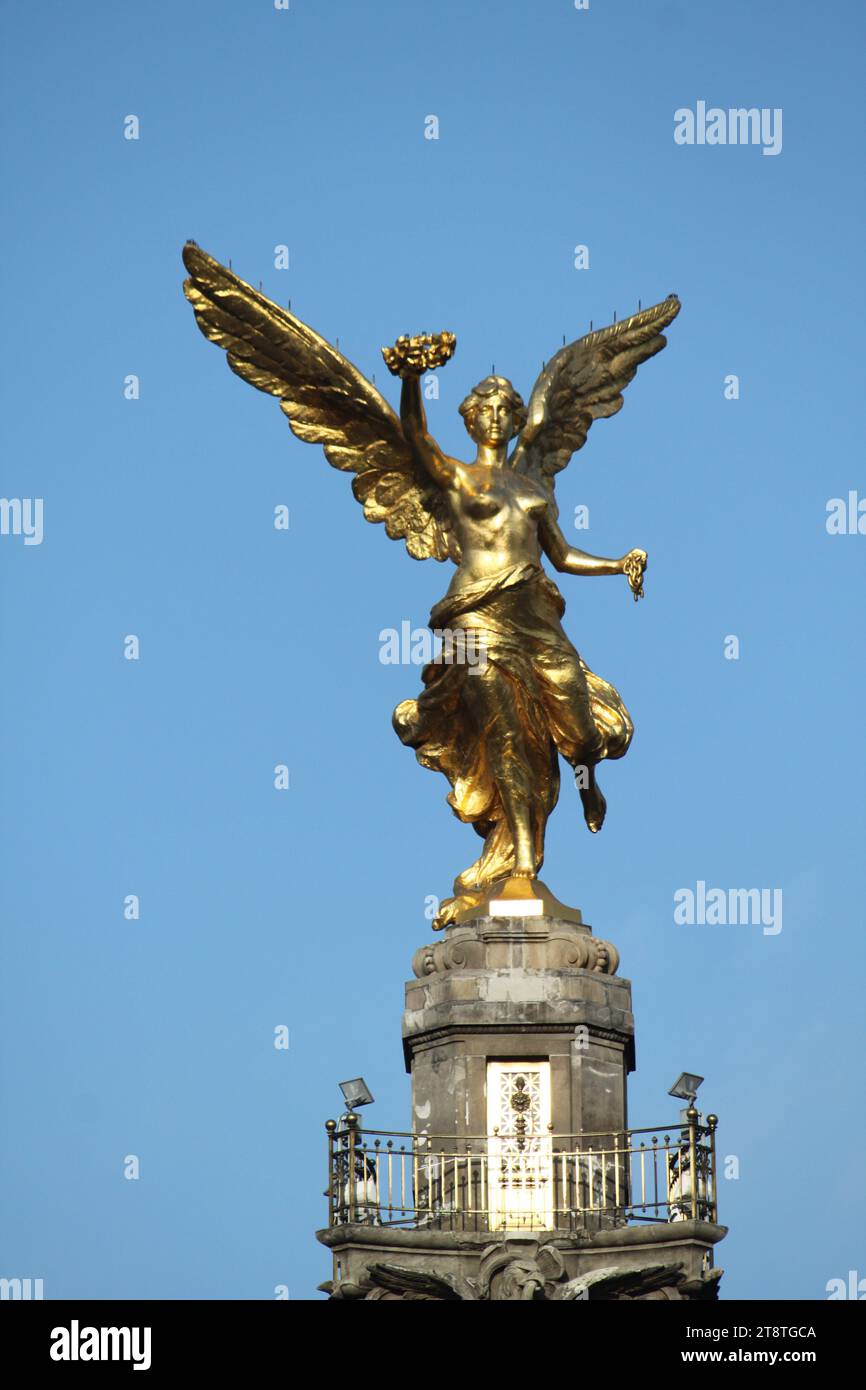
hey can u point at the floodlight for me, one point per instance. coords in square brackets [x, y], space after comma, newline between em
[356, 1092]
[686, 1087]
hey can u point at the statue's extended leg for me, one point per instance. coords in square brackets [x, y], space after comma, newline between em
[584, 748]
[594, 804]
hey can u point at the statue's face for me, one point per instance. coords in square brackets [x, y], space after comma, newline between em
[492, 421]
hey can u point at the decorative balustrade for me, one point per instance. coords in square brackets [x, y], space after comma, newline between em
[521, 1181]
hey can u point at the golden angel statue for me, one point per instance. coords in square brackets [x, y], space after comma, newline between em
[496, 726]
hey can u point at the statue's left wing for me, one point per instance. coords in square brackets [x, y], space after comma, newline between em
[585, 382]
[326, 399]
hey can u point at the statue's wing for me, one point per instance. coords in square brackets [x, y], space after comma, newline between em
[585, 382]
[327, 401]
[612, 1283]
[417, 1282]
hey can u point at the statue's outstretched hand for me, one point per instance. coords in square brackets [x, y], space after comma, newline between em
[423, 352]
[634, 568]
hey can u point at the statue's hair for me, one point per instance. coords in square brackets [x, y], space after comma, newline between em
[495, 386]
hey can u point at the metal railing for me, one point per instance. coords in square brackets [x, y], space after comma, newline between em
[503, 1182]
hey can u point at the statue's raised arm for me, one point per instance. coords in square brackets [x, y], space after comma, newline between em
[409, 359]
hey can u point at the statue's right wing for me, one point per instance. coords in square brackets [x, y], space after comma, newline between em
[327, 401]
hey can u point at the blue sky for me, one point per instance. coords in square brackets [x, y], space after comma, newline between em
[302, 908]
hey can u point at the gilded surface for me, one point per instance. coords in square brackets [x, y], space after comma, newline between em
[511, 695]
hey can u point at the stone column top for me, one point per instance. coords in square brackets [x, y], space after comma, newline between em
[544, 943]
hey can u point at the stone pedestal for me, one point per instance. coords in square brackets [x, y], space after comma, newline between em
[510, 988]
[519, 1038]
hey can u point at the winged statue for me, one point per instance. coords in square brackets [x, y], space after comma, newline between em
[508, 695]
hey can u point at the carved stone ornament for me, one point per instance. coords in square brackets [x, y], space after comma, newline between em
[533, 943]
[511, 1272]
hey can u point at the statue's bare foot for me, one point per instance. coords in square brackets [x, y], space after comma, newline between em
[449, 909]
[526, 860]
[594, 806]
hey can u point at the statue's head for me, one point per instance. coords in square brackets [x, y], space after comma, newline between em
[493, 412]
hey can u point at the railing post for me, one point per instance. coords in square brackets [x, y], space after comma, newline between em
[330, 1127]
[692, 1116]
[712, 1121]
[352, 1126]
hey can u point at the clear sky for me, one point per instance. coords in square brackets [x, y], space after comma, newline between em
[302, 908]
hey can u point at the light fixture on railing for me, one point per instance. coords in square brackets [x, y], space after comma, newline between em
[356, 1092]
[354, 1180]
[686, 1087]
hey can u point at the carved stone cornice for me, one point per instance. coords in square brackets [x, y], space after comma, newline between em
[528, 943]
[661, 1262]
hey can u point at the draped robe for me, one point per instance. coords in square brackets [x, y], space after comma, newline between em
[496, 724]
